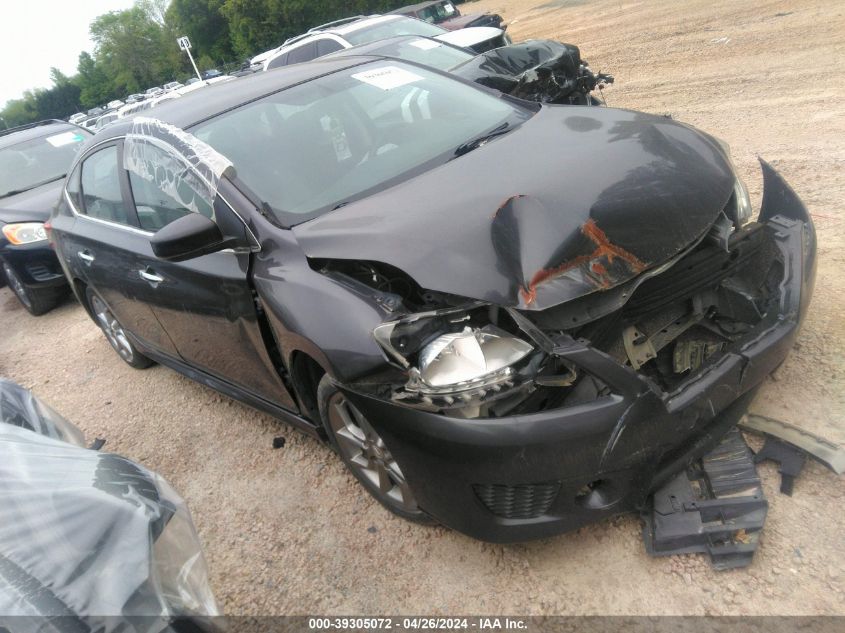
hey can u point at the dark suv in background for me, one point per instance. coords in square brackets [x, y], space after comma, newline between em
[445, 14]
[34, 160]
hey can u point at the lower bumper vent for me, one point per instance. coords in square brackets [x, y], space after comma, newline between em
[523, 501]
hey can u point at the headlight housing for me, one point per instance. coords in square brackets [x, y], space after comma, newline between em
[452, 351]
[742, 203]
[25, 232]
[739, 207]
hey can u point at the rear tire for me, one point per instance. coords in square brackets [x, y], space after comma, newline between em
[115, 335]
[37, 301]
[365, 454]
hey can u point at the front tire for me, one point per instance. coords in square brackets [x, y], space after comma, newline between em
[115, 335]
[365, 453]
[36, 301]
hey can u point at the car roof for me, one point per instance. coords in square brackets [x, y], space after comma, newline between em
[195, 107]
[363, 23]
[416, 7]
[16, 135]
[371, 49]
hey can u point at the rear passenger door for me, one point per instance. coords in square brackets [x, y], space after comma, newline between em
[105, 243]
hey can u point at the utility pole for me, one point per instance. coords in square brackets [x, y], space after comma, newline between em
[185, 45]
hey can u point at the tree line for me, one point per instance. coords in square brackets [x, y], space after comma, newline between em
[136, 48]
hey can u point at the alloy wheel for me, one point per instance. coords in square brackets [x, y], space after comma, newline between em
[112, 329]
[365, 452]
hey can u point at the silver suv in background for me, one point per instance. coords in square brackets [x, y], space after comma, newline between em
[343, 34]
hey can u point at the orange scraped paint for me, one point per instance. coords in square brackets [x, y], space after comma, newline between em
[604, 248]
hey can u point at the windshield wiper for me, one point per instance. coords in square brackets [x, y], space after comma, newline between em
[475, 143]
[15, 192]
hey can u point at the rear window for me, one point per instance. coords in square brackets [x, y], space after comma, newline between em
[326, 46]
[393, 28]
[424, 51]
[304, 53]
[38, 161]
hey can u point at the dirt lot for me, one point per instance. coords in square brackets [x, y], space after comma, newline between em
[288, 531]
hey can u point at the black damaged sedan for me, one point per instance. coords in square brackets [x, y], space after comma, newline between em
[507, 317]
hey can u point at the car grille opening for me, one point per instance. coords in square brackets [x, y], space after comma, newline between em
[522, 501]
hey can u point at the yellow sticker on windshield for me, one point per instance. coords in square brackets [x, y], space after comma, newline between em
[387, 77]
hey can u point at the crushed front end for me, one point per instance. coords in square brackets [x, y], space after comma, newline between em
[591, 404]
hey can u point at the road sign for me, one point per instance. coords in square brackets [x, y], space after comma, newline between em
[185, 45]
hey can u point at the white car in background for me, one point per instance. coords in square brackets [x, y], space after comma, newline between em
[135, 108]
[103, 121]
[342, 34]
[76, 118]
[114, 105]
[172, 85]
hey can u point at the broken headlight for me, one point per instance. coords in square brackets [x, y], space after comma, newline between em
[453, 350]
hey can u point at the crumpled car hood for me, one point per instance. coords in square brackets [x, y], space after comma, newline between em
[502, 67]
[575, 200]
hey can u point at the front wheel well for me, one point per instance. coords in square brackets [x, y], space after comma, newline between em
[306, 374]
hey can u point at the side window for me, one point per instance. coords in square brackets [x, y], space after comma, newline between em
[278, 62]
[100, 187]
[324, 47]
[156, 208]
[304, 53]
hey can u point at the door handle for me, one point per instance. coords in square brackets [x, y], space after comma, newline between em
[149, 275]
[86, 257]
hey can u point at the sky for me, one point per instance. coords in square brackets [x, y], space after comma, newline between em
[38, 34]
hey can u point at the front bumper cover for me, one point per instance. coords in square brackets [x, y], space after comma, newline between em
[36, 265]
[586, 462]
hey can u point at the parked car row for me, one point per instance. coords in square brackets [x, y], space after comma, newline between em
[97, 118]
[508, 311]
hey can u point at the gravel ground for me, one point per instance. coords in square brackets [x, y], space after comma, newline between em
[289, 532]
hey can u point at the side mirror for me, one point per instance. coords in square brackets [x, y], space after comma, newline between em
[190, 236]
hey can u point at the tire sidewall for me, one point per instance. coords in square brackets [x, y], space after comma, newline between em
[325, 391]
[138, 361]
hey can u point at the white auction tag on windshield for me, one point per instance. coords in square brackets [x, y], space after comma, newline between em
[425, 45]
[65, 138]
[387, 77]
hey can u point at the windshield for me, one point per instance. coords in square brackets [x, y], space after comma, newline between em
[399, 26]
[38, 161]
[424, 51]
[312, 147]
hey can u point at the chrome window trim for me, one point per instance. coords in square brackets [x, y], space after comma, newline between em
[256, 248]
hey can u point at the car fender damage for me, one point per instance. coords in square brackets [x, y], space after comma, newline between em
[536, 70]
[618, 426]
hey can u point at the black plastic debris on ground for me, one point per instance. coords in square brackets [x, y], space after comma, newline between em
[790, 459]
[716, 506]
